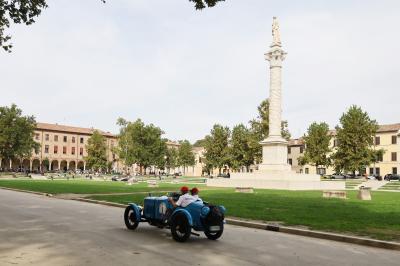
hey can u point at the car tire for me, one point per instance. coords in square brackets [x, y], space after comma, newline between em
[130, 218]
[180, 227]
[214, 235]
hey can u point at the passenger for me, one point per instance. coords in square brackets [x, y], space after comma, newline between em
[195, 194]
[184, 200]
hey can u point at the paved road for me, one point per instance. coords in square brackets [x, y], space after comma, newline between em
[36, 230]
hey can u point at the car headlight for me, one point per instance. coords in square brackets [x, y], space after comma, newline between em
[205, 211]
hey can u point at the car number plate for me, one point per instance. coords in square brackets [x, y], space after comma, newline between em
[215, 228]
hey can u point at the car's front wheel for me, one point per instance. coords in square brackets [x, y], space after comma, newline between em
[130, 218]
[180, 227]
[212, 233]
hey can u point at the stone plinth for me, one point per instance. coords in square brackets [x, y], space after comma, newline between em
[244, 190]
[364, 193]
[334, 194]
[276, 180]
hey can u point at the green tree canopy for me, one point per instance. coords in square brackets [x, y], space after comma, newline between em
[96, 147]
[317, 142]
[199, 143]
[26, 11]
[141, 144]
[216, 146]
[171, 158]
[242, 148]
[354, 139]
[185, 155]
[16, 134]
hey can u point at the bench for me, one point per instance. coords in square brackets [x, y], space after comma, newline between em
[334, 194]
[244, 190]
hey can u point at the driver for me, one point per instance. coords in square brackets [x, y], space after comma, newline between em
[184, 200]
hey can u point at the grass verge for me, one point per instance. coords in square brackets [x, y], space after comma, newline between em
[379, 218]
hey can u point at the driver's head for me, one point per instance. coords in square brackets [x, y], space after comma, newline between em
[184, 189]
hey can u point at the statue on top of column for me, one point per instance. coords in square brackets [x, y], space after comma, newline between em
[276, 37]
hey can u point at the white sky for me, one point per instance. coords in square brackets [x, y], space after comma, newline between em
[86, 64]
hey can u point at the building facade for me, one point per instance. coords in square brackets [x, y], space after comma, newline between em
[387, 138]
[62, 148]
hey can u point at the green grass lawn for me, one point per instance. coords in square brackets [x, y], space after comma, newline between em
[85, 186]
[379, 218]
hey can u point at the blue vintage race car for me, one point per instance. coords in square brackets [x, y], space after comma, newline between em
[158, 211]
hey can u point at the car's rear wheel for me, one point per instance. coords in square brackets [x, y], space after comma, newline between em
[214, 235]
[130, 218]
[180, 227]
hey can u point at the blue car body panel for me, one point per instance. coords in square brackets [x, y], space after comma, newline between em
[137, 211]
[159, 209]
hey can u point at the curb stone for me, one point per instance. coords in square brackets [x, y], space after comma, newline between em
[264, 226]
[317, 234]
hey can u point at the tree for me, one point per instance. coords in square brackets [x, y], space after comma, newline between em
[354, 140]
[16, 134]
[26, 11]
[141, 144]
[171, 159]
[317, 145]
[216, 146]
[242, 148]
[199, 143]
[97, 152]
[185, 155]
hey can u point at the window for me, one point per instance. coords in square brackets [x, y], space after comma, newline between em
[200, 160]
[81, 140]
[306, 170]
[55, 149]
[64, 150]
[80, 151]
[37, 152]
[301, 149]
[55, 137]
[47, 137]
[371, 171]
[394, 156]
[289, 150]
[73, 139]
[377, 140]
[377, 171]
[394, 170]
[37, 136]
[394, 139]
[380, 157]
[301, 171]
[321, 171]
[334, 143]
[290, 161]
[46, 149]
[65, 138]
[73, 150]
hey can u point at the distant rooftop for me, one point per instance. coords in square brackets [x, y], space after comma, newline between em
[71, 129]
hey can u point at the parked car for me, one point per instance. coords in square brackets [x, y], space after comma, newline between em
[114, 178]
[197, 216]
[124, 179]
[390, 177]
[339, 176]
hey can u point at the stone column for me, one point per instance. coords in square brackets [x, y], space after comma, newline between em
[30, 165]
[274, 146]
